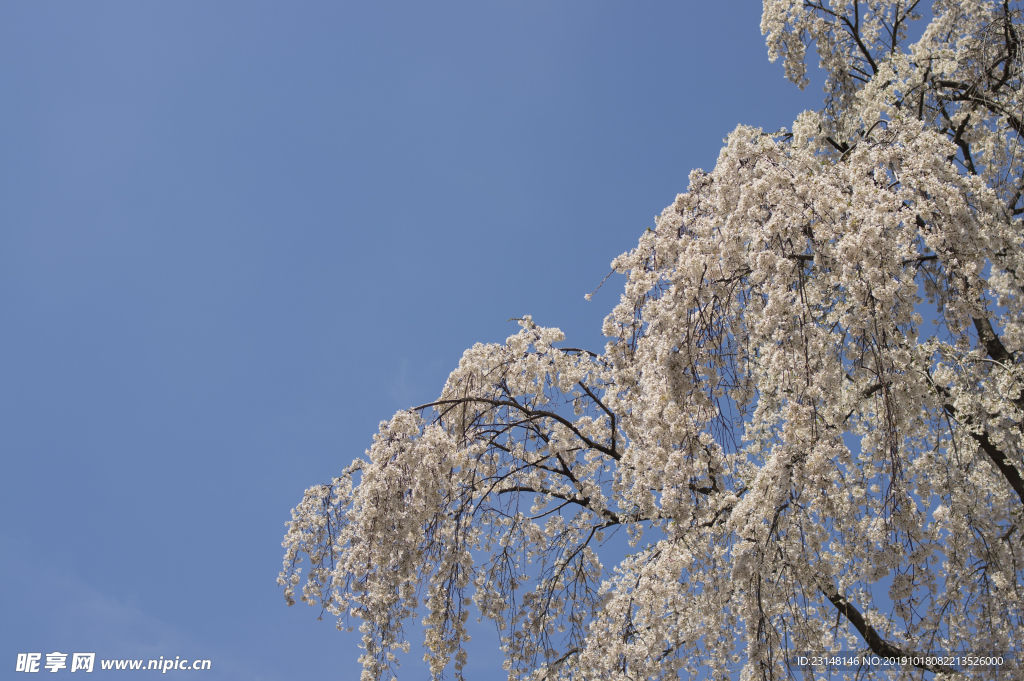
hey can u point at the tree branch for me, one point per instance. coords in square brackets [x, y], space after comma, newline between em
[997, 457]
[532, 413]
[993, 345]
[875, 642]
[968, 95]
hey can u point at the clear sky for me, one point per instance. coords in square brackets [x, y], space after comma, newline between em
[234, 236]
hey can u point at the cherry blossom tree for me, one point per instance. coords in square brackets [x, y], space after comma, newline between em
[807, 418]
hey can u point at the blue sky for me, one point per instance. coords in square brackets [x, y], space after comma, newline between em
[236, 236]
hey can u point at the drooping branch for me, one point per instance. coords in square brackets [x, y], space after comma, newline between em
[530, 413]
[969, 93]
[876, 643]
[993, 344]
[584, 502]
[1004, 465]
[998, 458]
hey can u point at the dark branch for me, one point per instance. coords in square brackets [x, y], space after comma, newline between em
[871, 636]
[532, 413]
[997, 457]
[993, 345]
[968, 94]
